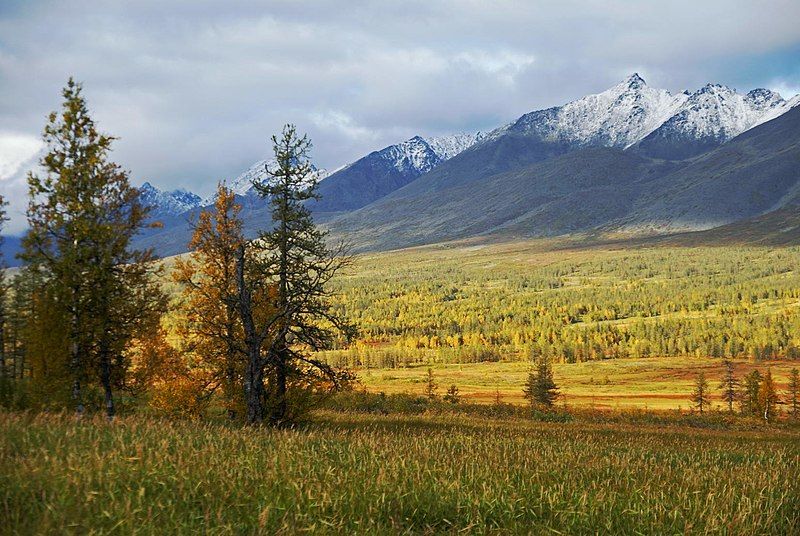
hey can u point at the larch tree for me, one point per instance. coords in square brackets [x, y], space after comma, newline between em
[212, 322]
[700, 395]
[750, 394]
[82, 214]
[293, 260]
[729, 385]
[768, 397]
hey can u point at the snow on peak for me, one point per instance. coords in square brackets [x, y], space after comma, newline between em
[720, 113]
[419, 155]
[778, 109]
[411, 156]
[629, 111]
[617, 117]
[446, 147]
[168, 202]
[242, 185]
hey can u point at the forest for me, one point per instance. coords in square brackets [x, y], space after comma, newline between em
[511, 301]
[86, 323]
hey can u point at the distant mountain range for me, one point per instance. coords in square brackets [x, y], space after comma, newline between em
[632, 159]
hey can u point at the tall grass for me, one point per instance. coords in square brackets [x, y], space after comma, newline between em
[392, 474]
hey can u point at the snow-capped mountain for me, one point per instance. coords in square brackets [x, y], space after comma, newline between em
[709, 117]
[168, 203]
[419, 155]
[617, 117]
[664, 125]
[446, 147]
[242, 185]
[629, 115]
[382, 172]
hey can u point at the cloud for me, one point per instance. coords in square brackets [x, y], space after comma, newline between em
[16, 150]
[195, 88]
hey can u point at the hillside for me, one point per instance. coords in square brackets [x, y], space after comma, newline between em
[587, 190]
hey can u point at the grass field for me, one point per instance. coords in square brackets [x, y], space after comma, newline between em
[393, 475]
[646, 383]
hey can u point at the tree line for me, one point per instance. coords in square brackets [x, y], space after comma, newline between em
[85, 323]
[756, 394]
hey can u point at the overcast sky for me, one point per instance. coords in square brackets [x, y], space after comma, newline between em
[194, 89]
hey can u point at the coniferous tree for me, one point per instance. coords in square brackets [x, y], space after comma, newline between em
[768, 397]
[208, 276]
[700, 394]
[430, 385]
[793, 398]
[292, 262]
[82, 215]
[749, 397]
[540, 389]
[452, 395]
[729, 385]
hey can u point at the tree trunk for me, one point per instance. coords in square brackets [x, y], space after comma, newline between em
[278, 416]
[254, 374]
[77, 396]
[105, 378]
[254, 388]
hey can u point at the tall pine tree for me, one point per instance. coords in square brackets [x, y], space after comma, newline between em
[293, 258]
[83, 213]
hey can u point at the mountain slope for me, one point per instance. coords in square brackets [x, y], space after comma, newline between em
[382, 172]
[756, 172]
[543, 199]
[591, 189]
[708, 118]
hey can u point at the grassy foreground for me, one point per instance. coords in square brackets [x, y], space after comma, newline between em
[393, 474]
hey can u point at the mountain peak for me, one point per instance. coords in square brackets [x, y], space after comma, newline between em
[635, 81]
[170, 203]
[714, 89]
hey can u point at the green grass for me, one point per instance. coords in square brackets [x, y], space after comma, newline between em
[393, 474]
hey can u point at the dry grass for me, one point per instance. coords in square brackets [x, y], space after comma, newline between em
[647, 383]
[389, 475]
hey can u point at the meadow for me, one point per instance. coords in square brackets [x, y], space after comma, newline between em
[642, 383]
[393, 474]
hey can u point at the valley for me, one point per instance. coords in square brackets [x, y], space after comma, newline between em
[572, 301]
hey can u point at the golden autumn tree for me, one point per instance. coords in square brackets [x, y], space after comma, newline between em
[172, 386]
[211, 326]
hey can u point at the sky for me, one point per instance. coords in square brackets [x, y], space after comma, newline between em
[194, 89]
